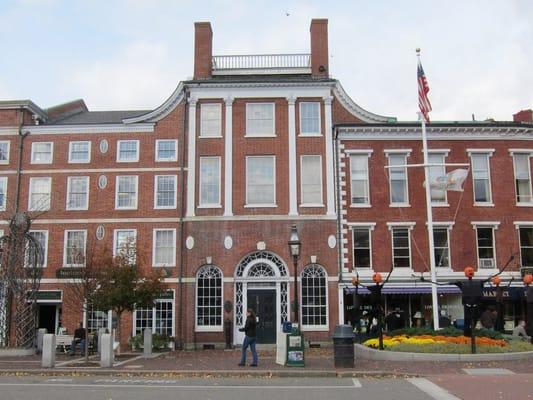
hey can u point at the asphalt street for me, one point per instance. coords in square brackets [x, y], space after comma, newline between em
[111, 388]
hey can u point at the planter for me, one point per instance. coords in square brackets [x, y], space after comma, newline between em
[367, 353]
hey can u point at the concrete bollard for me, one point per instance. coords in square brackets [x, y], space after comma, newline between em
[147, 343]
[107, 355]
[49, 351]
[40, 334]
[100, 332]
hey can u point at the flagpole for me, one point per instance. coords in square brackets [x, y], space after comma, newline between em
[429, 212]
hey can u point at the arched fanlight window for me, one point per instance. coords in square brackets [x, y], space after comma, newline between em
[209, 298]
[314, 296]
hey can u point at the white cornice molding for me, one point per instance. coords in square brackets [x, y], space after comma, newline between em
[87, 129]
[8, 131]
[355, 110]
[395, 132]
[163, 110]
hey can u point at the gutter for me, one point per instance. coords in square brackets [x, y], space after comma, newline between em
[22, 136]
[339, 202]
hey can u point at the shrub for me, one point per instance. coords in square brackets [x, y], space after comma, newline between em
[159, 342]
[449, 331]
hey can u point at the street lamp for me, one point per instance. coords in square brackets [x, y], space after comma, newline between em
[294, 249]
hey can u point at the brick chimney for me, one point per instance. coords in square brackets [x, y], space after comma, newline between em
[524, 116]
[203, 50]
[319, 48]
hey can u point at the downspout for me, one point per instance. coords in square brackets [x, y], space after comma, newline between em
[19, 165]
[181, 223]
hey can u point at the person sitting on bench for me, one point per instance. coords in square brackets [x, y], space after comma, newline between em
[79, 338]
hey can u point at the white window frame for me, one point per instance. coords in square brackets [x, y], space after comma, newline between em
[201, 204]
[443, 154]
[175, 179]
[205, 106]
[319, 133]
[488, 154]
[45, 249]
[88, 160]
[251, 134]
[136, 193]
[409, 226]
[115, 239]
[370, 226]
[163, 159]
[395, 152]
[137, 150]
[322, 327]
[33, 153]
[367, 154]
[69, 184]
[30, 192]
[494, 227]
[261, 205]
[154, 234]
[65, 241]
[518, 226]
[3, 184]
[448, 227]
[8, 148]
[209, 328]
[528, 154]
[303, 203]
[171, 301]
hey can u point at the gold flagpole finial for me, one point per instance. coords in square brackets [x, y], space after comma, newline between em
[418, 50]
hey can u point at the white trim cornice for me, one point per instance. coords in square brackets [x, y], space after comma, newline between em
[396, 132]
[356, 110]
[87, 129]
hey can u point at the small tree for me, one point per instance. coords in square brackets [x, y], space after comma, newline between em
[84, 282]
[124, 286]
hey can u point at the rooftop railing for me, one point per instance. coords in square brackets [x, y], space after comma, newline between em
[288, 62]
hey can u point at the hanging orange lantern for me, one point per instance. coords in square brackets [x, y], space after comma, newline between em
[355, 281]
[377, 278]
[528, 279]
[469, 272]
[496, 281]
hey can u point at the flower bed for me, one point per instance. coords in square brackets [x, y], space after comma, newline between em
[423, 340]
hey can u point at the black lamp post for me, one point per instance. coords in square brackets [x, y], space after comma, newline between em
[294, 249]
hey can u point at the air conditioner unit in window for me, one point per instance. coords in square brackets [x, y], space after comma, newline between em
[486, 263]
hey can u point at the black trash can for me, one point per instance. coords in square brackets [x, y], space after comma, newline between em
[343, 350]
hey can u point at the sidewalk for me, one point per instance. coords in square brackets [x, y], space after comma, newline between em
[319, 362]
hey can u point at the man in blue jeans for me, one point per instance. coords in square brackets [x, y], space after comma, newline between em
[250, 338]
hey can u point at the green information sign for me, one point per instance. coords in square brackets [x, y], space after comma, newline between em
[295, 350]
[49, 295]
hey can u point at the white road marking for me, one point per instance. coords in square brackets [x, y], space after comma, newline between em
[356, 383]
[205, 387]
[59, 380]
[431, 389]
[488, 371]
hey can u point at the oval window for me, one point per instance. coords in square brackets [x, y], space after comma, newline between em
[104, 146]
[102, 181]
[100, 232]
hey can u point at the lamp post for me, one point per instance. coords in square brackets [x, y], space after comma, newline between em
[294, 249]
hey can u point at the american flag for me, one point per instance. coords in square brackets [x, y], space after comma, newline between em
[423, 89]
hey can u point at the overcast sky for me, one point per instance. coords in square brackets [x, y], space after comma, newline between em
[131, 54]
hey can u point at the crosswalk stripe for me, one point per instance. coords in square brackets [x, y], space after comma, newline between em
[356, 383]
[431, 389]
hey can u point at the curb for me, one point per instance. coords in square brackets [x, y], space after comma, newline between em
[205, 373]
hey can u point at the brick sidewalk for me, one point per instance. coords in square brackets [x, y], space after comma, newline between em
[220, 361]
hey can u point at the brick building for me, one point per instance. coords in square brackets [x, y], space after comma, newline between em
[384, 210]
[209, 184]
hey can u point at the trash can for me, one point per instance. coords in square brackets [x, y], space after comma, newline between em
[343, 350]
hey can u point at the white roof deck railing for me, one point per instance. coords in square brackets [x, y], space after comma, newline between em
[262, 63]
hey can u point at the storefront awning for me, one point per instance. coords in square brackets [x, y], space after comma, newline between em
[409, 290]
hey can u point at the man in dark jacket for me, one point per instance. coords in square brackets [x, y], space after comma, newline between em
[79, 338]
[250, 338]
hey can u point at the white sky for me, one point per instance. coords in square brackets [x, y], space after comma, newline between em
[131, 54]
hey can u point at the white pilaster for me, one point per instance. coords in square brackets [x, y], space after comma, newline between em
[228, 159]
[191, 162]
[330, 198]
[293, 198]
